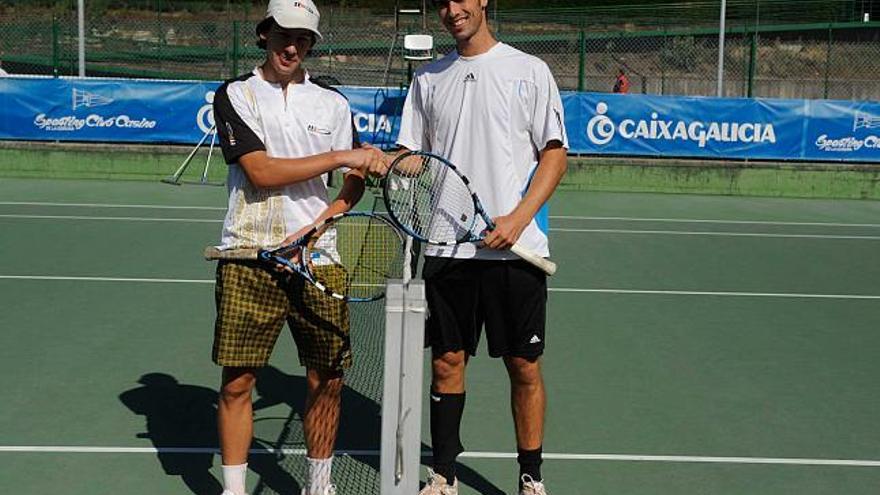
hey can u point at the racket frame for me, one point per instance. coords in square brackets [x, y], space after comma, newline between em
[526, 254]
[276, 256]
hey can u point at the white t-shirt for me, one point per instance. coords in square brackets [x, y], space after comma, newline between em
[252, 115]
[490, 115]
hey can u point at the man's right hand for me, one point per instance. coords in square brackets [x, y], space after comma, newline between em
[367, 159]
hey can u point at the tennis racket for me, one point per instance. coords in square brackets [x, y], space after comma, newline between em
[348, 256]
[431, 200]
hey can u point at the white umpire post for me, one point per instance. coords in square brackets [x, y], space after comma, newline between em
[405, 311]
[418, 47]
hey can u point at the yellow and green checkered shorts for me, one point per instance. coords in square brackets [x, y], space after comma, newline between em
[252, 305]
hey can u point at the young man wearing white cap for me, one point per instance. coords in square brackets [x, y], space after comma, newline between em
[496, 113]
[280, 134]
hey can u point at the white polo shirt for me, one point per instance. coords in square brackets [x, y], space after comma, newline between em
[252, 115]
[490, 115]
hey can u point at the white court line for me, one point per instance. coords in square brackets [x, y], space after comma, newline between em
[594, 231]
[106, 279]
[720, 234]
[700, 220]
[552, 217]
[552, 289]
[107, 205]
[716, 294]
[470, 455]
[127, 219]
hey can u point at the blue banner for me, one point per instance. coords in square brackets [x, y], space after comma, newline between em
[115, 110]
[376, 113]
[642, 125]
[689, 127]
[105, 110]
[842, 130]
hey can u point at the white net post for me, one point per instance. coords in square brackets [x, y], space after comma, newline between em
[405, 311]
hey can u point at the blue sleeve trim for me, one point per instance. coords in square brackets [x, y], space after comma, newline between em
[542, 218]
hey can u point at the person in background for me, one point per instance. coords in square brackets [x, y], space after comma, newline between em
[621, 85]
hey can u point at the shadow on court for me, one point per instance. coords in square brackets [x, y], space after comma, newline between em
[277, 471]
[360, 427]
[178, 416]
[185, 416]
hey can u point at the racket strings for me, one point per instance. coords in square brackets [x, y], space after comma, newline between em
[431, 200]
[356, 256]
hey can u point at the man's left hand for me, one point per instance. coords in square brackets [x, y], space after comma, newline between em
[507, 230]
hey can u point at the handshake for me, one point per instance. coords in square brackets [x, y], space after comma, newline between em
[368, 160]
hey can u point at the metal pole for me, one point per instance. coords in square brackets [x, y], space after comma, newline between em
[81, 18]
[828, 59]
[56, 53]
[721, 35]
[753, 63]
[236, 52]
[582, 56]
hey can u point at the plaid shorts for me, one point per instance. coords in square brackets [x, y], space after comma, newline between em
[252, 305]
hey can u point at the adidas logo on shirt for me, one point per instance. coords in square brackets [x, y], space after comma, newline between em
[535, 340]
[470, 77]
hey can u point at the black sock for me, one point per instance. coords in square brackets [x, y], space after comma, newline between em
[529, 463]
[446, 412]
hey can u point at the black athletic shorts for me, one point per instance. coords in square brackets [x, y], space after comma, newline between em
[508, 297]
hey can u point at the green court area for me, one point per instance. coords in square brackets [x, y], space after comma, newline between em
[585, 173]
[696, 345]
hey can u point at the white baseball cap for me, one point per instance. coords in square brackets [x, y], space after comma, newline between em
[295, 14]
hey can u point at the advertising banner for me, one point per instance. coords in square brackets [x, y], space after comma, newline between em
[842, 130]
[719, 128]
[114, 110]
[105, 110]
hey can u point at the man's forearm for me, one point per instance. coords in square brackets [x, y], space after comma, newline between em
[267, 171]
[551, 169]
[351, 192]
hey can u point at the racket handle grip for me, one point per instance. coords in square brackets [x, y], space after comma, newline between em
[536, 260]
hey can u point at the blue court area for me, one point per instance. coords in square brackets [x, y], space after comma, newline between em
[696, 345]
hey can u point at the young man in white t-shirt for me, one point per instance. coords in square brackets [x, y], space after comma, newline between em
[280, 133]
[495, 112]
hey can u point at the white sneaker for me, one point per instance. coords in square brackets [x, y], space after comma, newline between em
[437, 485]
[532, 487]
[328, 490]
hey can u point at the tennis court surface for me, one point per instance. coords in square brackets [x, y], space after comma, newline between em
[696, 345]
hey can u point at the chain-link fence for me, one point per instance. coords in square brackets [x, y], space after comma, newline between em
[773, 48]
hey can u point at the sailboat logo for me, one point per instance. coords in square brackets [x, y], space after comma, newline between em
[89, 100]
